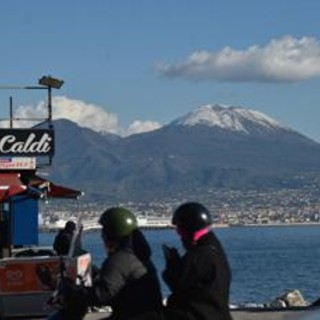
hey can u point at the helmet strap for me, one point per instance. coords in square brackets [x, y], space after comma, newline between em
[191, 239]
[198, 234]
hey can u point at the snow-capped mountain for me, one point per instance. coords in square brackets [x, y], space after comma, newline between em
[213, 147]
[235, 119]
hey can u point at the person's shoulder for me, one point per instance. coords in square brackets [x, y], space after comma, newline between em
[208, 245]
[123, 254]
[124, 258]
[121, 261]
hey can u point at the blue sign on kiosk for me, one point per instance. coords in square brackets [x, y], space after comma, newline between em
[24, 221]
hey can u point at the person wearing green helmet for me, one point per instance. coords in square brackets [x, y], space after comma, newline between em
[127, 280]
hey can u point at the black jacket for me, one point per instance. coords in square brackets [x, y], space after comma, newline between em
[200, 283]
[128, 281]
[62, 242]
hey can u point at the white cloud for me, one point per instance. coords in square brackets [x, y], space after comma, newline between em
[84, 114]
[284, 60]
[138, 126]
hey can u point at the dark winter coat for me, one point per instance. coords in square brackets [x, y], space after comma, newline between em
[128, 281]
[62, 242]
[200, 283]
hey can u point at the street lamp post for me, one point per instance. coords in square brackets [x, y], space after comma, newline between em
[50, 83]
[47, 83]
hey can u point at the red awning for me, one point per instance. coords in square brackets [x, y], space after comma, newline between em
[10, 185]
[50, 189]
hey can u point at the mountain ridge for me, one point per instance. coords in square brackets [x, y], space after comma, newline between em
[177, 157]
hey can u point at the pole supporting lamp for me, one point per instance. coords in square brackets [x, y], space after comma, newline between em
[50, 83]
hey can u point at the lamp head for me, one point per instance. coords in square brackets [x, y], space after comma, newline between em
[51, 82]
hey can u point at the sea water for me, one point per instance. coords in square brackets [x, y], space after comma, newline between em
[265, 261]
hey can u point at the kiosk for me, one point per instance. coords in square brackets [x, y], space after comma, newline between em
[22, 152]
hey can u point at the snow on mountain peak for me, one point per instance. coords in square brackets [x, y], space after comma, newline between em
[230, 118]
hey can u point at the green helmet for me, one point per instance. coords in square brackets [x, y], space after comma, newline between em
[118, 223]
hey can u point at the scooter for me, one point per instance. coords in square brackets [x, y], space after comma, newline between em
[68, 300]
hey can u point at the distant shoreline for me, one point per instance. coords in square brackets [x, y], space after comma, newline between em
[284, 224]
[214, 226]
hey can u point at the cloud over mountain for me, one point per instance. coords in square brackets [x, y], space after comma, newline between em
[84, 114]
[282, 60]
[139, 126]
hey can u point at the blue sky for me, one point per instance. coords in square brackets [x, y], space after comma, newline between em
[142, 63]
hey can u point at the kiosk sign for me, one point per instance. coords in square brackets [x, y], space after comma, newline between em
[18, 163]
[26, 142]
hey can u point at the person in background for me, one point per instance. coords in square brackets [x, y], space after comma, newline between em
[63, 239]
[200, 279]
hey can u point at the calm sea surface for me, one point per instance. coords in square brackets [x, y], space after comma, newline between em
[265, 261]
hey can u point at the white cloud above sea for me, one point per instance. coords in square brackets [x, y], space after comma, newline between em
[287, 59]
[84, 114]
